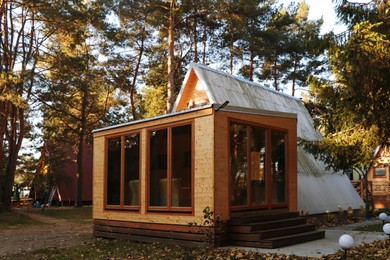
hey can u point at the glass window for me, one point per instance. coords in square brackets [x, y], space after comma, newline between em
[239, 164]
[181, 184]
[170, 169]
[258, 169]
[380, 172]
[123, 159]
[278, 167]
[131, 184]
[257, 166]
[113, 171]
[158, 167]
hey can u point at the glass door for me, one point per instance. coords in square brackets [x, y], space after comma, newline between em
[257, 167]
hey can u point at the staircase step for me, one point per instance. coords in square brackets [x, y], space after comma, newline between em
[294, 239]
[258, 217]
[290, 230]
[250, 227]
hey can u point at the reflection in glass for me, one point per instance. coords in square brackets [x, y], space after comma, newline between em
[131, 184]
[158, 167]
[114, 171]
[181, 183]
[258, 170]
[278, 167]
[238, 164]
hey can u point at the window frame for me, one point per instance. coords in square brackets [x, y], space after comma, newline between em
[268, 144]
[380, 175]
[122, 206]
[168, 208]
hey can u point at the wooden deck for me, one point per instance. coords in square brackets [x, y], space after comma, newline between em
[378, 192]
[262, 231]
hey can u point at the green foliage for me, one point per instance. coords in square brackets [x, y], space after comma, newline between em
[350, 109]
[211, 226]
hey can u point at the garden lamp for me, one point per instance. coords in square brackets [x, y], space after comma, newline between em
[383, 217]
[386, 229]
[346, 242]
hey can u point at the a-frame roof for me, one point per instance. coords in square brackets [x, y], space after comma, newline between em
[219, 87]
[318, 189]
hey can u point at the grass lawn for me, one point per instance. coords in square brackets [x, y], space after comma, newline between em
[16, 220]
[82, 214]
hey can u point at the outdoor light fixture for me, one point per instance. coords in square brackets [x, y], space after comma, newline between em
[386, 229]
[383, 217]
[346, 242]
[221, 106]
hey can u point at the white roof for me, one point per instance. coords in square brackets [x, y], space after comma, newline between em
[221, 87]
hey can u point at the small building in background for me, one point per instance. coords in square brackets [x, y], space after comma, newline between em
[55, 178]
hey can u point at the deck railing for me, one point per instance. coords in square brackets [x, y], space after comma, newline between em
[374, 187]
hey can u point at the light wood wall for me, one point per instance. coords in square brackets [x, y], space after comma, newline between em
[203, 170]
[211, 165]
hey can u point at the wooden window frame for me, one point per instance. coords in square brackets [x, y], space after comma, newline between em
[170, 209]
[380, 176]
[268, 144]
[121, 205]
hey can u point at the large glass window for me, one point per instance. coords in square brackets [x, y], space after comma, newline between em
[158, 167]
[278, 167]
[239, 164]
[170, 168]
[123, 161]
[113, 171]
[258, 170]
[257, 166]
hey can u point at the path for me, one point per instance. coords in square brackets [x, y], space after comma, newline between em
[55, 233]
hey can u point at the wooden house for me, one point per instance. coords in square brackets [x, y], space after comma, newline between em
[378, 177]
[229, 146]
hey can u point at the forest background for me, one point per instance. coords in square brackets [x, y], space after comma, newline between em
[82, 65]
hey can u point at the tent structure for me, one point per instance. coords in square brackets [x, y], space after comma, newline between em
[319, 190]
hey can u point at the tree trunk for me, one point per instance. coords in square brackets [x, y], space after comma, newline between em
[276, 75]
[231, 54]
[14, 139]
[2, 133]
[252, 57]
[80, 153]
[204, 39]
[171, 57]
[195, 37]
[132, 90]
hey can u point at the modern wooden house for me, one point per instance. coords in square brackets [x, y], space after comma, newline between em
[229, 145]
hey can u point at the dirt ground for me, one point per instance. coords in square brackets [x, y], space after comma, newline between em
[55, 233]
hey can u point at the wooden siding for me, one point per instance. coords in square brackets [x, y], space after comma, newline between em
[193, 94]
[203, 175]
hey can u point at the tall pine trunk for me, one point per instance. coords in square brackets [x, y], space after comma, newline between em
[14, 138]
[80, 152]
[171, 57]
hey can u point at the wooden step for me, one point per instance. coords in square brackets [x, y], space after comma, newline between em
[271, 230]
[239, 220]
[286, 231]
[250, 227]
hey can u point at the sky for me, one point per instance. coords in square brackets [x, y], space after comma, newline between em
[325, 9]
[318, 9]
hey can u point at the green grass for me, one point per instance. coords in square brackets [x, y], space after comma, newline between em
[374, 227]
[82, 214]
[16, 220]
